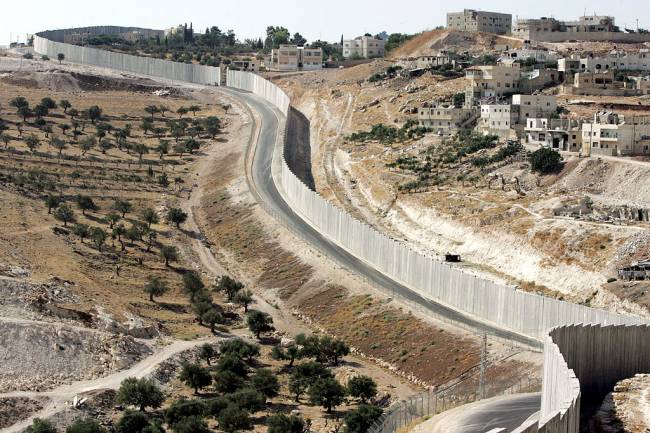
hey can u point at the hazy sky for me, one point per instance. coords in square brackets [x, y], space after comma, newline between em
[315, 20]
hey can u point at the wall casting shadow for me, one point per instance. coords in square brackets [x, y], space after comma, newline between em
[297, 152]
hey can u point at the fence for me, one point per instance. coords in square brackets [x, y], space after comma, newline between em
[430, 403]
[46, 43]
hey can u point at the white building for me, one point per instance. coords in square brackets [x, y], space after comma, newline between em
[611, 134]
[445, 119]
[498, 119]
[558, 134]
[365, 47]
[290, 58]
[530, 106]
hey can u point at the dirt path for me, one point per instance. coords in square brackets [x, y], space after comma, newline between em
[59, 397]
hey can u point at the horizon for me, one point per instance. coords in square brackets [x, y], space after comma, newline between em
[317, 21]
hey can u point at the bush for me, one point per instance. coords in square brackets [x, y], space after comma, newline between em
[281, 423]
[546, 161]
[132, 422]
[192, 424]
[183, 408]
[85, 425]
[234, 418]
[40, 426]
[361, 419]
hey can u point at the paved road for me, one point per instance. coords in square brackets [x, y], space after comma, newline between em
[263, 185]
[507, 412]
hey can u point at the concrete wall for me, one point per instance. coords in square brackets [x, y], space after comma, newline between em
[583, 363]
[587, 36]
[45, 43]
[504, 306]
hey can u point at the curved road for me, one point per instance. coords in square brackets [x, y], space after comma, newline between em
[264, 186]
[507, 412]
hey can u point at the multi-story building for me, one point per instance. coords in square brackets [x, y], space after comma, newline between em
[558, 134]
[294, 58]
[540, 55]
[446, 119]
[530, 106]
[618, 60]
[470, 20]
[498, 119]
[611, 134]
[492, 81]
[640, 84]
[365, 47]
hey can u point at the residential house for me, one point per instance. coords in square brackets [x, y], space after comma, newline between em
[617, 135]
[498, 119]
[470, 20]
[557, 134]
[365, 47]
[446, 119]
[293, 58]
[493, 81]
[433, 60]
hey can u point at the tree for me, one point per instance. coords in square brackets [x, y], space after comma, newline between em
[192, 283]
[169, 253]
[240, 349]
[298, 40]
[85, 203]
[195, 376]
[194, 109]
[163, 148]
[192, 424]
[266, 382]
[233, 419]
[304, 375]
[94, 113]
[212, 126]
[41, 111]
[163, 109]
[362, 418]
[122, 206]
[326, 392]
[228, 285]
[152, 110]
[163, 180]
[244, 298]
[141, 393]
[155, 287]
[6, 139]
[362, 387]
[32, 142]
[546, 161]
[112, 218]
[65, 104]
[73, 112]
[176, 216]
[259, 322]
[24, 112]
[87, 144]
[58, 144]
[290, 354]
[207, 352]
[191, 145]
[64, 127]
[52, 201]
[140, 149]
[48, 103]
[98, 236]
[182, 111]
[281, 423]
[41, 426]
[81, 230]
[85, 425]
[60, 57]
[132, 422]
[65, 214]
[150, 216]
[182, 409]
[323, 349]
[211, 317]
[18, 102]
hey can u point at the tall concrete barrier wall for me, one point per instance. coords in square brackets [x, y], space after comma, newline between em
[583, 363]
[504, 306]
[46, 43]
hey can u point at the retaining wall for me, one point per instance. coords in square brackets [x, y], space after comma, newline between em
[46, 43]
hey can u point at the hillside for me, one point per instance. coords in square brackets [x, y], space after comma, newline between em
[430, 42]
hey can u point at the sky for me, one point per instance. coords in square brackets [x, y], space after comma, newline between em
[326, 20]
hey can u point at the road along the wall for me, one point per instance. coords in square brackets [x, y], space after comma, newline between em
[50, 43]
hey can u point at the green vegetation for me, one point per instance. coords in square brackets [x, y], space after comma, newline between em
[141, 393]
[546, 161]
[389, 135]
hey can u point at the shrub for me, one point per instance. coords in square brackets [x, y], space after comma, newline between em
[281, 423]
[546, 161]
[85, 425]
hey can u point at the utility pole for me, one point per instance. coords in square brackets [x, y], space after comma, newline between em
[481, 382]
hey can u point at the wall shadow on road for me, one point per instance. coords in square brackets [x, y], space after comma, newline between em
[297, 152]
